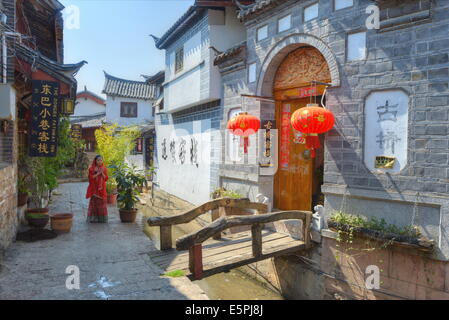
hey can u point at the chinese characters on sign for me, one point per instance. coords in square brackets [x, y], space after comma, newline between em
[267, 159]
[44, 119]
[76, 131]
[194, 152]
[386, 130]
[164, 149]
[285, 136]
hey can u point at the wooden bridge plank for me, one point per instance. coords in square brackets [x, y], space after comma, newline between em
[222, 257]
[221, 266]
[217, 247]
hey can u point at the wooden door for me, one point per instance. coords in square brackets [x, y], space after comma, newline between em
[293, 180]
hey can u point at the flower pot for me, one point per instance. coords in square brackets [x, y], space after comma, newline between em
[22, 199]
[61, 222]
[128, 215]
[37, 210]
[112, 198]
[37, 220]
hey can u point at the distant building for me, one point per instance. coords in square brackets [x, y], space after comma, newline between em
[88, 103]
[188, 120]
[128, 103]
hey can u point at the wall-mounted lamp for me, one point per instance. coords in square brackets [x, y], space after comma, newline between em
[68, 106]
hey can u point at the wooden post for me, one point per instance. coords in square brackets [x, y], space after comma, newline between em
[306, 230]
[215, 215]
[196, 261]
[256, 232]
[165, 237]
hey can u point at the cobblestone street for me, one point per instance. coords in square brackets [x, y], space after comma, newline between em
[111, 257]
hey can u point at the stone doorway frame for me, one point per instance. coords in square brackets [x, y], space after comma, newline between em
[269, 67]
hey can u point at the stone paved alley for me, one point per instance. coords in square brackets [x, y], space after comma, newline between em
[111, 257]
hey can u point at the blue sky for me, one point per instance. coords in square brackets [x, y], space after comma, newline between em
[113, 35]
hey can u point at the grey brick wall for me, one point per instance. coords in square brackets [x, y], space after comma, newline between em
[410, 56]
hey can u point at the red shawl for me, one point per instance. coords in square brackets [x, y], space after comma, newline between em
[97, 185]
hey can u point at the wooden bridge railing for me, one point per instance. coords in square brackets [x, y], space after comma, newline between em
[193, 242]
[166, 223]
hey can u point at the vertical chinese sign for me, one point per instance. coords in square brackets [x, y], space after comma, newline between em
[285, 136]
[76, 131]
[44, 119]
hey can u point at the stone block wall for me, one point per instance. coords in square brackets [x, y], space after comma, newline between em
[8, 206]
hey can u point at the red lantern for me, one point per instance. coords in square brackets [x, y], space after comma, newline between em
[244, 125]
[311, 121]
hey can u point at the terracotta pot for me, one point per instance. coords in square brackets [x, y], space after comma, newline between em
[22, 199]
[61, 222]
[40, 221]
[37, 210]
[112, 198]
[128, 215]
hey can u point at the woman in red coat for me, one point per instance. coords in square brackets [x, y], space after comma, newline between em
[98, 175]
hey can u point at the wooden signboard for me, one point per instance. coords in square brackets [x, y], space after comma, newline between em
[43, 135]
[77, 130]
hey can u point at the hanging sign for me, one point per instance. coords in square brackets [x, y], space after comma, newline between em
[77, 131]
[267, 159]
[44, 119]
[285, 137]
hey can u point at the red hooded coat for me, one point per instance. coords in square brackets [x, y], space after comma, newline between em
[97, 185]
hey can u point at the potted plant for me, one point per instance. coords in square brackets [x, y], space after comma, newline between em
[61, 222]
[37, 220]
[23, 191]
[111, 188]
[129, 180]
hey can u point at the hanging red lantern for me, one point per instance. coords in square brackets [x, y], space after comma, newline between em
[244, 125]
[311, 121]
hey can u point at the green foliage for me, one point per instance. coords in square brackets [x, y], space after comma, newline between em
[114, 143]
[374, 224]
[223, 193]
[42, 173]
[111, 186]
[175, 273]
[129, 180]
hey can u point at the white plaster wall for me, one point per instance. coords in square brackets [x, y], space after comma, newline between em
[144, 111]
[85, 107]
[186, 181]
[136, 160]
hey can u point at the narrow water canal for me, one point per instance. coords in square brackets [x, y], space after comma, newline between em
[233, 285]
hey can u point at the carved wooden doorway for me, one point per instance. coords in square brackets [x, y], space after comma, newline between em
[297, 179]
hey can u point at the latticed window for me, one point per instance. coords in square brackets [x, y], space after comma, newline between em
[179, 59]
[128, 109]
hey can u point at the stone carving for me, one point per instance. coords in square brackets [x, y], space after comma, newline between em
[300, 68]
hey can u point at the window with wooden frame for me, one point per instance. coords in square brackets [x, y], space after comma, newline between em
[179, 60]
[128, 109]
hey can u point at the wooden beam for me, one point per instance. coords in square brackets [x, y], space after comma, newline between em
[256, 232]
[204, 208]
[224, 223]
[196, 261]
[165, 237]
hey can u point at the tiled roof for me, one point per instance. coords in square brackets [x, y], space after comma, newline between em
[90, 95]
[114, 86]
[256, 8]
[63, 72]
[192, 15]
[90, 121]
[229, 53]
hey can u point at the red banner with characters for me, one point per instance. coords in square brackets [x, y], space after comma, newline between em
[285, 136]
